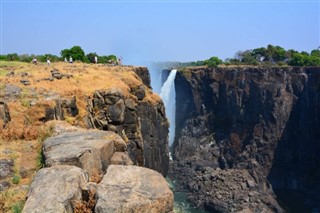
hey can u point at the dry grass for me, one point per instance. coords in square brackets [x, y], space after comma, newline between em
[86, 79]
[85, 206]
[24, 133]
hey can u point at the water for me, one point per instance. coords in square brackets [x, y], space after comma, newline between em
[181, 204]
[168, 95]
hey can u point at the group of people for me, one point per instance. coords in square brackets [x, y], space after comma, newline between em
[35, 61]
[70, 60]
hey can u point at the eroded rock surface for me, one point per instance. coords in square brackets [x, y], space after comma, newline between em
[133, 189]
[54, 189]
[261, 119]
[89, 150]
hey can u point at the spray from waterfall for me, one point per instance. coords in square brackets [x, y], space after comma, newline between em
[168, 96]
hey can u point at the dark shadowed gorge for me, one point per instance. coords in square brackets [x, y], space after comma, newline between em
[243, 133]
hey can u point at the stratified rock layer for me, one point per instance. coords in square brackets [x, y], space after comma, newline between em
[133, 189]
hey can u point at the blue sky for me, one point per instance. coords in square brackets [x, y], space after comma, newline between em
[160, 30]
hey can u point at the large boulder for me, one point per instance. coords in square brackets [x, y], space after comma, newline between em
[89, 150]
[133, 189]
[55, 189]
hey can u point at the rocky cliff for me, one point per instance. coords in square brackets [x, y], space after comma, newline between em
[258, 119]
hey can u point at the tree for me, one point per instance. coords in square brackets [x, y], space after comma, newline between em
[259, 54]
[315, 52]
[75, 52]
[12, 57]
[213, 62]
[90, 57]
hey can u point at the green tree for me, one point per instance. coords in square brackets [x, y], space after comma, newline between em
[12, 57]
[315, 52]
[75, 52]
[260, 54]
[66, 53]
[213, 62]
[90, 57]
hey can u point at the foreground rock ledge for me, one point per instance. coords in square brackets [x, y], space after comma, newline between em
[133, 189]
[53, 189]
[89, 150]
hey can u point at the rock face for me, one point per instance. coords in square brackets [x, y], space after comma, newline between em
[263, 120]
[144, 74]
[133, 189]
[64, 187]
[54, 189]
[89, 150]
[4, 113]
[141, 124]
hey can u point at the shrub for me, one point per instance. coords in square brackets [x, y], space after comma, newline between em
[17, 207]
[16, 179]
[213, 62]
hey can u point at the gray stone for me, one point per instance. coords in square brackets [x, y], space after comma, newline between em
[54, 189]
[6, 168]
[133, 189]
[140, 92]
[4, 185]
[116, 112]
[89, 150]
[130, 104]
[121, 158]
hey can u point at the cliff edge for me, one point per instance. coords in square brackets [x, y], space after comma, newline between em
[260, 120]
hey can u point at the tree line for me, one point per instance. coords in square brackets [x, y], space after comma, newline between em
[75, 52]
[270, 55]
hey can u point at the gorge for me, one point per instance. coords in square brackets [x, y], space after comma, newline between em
[242, 138]
[244, 133]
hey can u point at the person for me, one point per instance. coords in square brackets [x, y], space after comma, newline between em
[34, 61]
[48, 61]
[65, 60]
[70, 60]
[95, 59]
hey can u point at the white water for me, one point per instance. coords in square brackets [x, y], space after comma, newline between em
[168, 96]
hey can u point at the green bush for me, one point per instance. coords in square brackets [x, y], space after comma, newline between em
[17, 207]
[16, 179]
[213, 62]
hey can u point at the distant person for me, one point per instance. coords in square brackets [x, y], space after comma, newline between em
[48, 61]
[70, 60]
[65, 60]
[34, 61]
[95, 59]
[120, 61]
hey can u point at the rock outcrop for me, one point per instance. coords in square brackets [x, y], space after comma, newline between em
[141, 124]
[4, 113]
[76, 156]
[144, 74]
[89, 150]
[263, 120]
[133, 189]
[54, 189]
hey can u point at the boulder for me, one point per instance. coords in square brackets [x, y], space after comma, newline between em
[6, 168]
[133, 189]
[4, 113]
[121, 158]
[55, 189]
[89, 150]
[116, 111]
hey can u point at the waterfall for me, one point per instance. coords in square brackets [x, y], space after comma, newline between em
[168, 96]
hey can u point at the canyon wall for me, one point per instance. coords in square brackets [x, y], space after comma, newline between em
[261, 120]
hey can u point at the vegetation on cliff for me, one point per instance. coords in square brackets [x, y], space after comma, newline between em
[75, 52]
[267, 56]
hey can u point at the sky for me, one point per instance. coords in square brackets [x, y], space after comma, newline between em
[158, 30]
